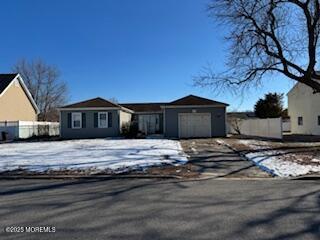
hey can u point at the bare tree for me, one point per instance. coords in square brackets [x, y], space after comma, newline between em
[267, 36]
[45, 85]
[113, 99]
[235, 124]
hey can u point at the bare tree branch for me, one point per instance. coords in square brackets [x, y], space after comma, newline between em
[267, 36]
[45, 85]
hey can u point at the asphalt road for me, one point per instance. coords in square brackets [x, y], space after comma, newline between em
[153, 209]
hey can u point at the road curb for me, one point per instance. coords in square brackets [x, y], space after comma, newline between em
[111, 177]
[222, 177]
[308, 177]
[48, 177]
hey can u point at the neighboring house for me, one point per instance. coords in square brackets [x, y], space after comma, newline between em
[241, 115]
[190, 116]
[16, 102]
[304, 110]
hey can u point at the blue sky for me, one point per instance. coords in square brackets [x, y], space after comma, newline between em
[135, 51]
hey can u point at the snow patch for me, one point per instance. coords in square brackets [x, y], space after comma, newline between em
[269, 161]
[280, 167]
[315, 160]
[94, 155]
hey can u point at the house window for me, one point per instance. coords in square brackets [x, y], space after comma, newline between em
[300, 121]
[102, 119]
[76, 120]
[318, 120]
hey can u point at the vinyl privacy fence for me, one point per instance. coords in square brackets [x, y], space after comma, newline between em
[286, 126]
[268, 128]
[26, 129]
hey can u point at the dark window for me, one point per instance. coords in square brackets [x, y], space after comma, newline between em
[76, 120]
[300, 121]
[319, 120]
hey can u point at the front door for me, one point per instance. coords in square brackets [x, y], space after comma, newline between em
[149, 123]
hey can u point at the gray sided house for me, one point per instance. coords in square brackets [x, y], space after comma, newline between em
[94, 118]
[187, 117]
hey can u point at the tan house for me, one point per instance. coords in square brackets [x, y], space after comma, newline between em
[304, 110]
[16, 102]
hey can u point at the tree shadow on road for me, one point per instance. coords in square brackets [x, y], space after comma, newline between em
[163, 209]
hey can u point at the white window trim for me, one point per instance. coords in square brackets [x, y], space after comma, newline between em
[107, 120]
[72, 122]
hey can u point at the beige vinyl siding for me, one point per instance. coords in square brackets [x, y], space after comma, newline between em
[15, 105]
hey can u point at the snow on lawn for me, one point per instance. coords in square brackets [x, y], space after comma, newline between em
[95, 155]
[262, 155]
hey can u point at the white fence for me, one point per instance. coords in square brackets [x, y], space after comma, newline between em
[25, 129]
[268, 128]
[286, 126]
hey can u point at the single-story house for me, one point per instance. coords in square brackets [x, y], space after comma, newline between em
[187, 117]
[16, 102]
[241, 115]
[304, 110]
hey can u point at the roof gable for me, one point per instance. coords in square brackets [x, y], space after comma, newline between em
[7, 79]
[297, 85]
[195, 100]
[93, 103]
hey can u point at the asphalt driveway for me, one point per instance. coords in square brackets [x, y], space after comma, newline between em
[213, 159]
[153, 209]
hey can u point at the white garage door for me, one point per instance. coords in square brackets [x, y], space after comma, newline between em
[194, 125]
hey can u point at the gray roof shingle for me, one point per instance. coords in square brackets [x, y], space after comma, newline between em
[195, 100]
[143, 107]
[92, 103]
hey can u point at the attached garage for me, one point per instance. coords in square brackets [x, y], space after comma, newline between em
[194, 117]
[192, 125]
